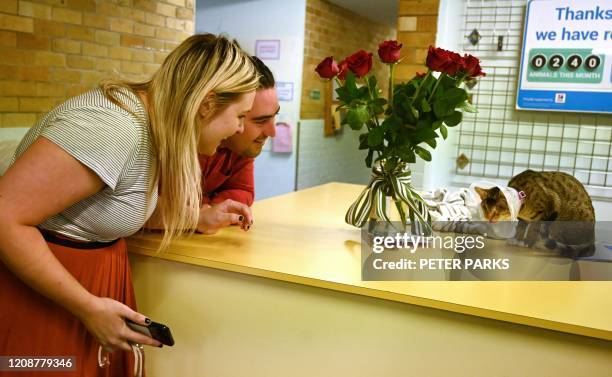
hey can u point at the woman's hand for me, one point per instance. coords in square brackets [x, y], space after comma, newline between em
[229, 212]
[105, 320]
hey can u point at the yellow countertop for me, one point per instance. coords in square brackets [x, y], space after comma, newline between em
[301, 237]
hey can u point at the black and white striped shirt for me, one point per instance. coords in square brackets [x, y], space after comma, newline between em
[116, 146]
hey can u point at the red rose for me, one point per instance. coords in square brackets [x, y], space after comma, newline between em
[471, 66]
[389, 51]
[328, 68]
[343, 67]
[445, 61]
[360, 63]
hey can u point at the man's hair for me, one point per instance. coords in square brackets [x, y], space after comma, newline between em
[266, 78]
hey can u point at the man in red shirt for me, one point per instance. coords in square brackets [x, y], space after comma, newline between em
[228, 174]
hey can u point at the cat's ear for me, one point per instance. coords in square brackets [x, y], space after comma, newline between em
[494, 192]
[483, 193]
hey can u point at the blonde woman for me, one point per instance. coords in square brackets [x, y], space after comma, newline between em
[91, 172]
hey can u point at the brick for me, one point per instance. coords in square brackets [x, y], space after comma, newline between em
[131, 67]
[154, 19]
[8, 38]
[34, 73]
[108, 65]
[50, 59]
[123, 26]
[176, 24]
[108, 9]
[427, 23]
[107, 38]
[79, 62]
[150, 69]
[50, 90]
[98, 21]
[92, 79]
[132, 41]
[8, 72]
[67, 16]
[67, 46]
[154, 44]
[142, 56]
[80, 33]
[75, 90]
[189, 27]
[184, 13]
[18, 120]
[406, 23]
[404, 72]
[34, 10]
[416, 39]
[167, 34]
[38, 105]
[9, 22]
[17, 88]
[49, 28]
[9, 104]
[178, 3]
[133, 14]
[414, 55]
[8, 6]
[146, 5]
[92, 49]
[67, 76]
[410, 8]
[12, 56]
[189, 4]
[166, 9]
[121, 53]
[82, 5]
[33, 41]
[169, 46]
[144, 30]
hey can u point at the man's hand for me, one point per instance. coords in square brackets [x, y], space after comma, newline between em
[229, 212]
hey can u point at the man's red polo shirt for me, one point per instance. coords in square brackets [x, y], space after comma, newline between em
[226, 175]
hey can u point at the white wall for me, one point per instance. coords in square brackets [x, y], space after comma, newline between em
[248, 21]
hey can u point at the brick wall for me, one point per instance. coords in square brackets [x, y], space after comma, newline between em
[55, 49]
[416, 29]
[332, 30]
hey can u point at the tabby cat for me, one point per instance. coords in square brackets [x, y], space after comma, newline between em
[556, 214]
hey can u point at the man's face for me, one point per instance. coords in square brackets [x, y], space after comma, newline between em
[258, 125]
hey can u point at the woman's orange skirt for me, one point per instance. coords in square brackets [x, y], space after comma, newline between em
[32, 325]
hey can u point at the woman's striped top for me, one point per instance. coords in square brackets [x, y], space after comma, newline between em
[116, 146]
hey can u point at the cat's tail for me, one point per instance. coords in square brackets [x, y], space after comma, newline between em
[570, 251]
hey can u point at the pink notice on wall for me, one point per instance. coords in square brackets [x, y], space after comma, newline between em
[282, 142]
[267, 49]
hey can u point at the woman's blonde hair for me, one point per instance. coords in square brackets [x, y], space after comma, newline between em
[201, 65]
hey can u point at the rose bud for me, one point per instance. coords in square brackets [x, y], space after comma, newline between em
[471, 66]
[328, 68]
[343, 67]
[360, 63]
[389, 51]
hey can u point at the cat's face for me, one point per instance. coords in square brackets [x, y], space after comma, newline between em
[494, 204]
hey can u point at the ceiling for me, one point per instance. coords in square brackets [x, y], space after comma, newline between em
[381, 11]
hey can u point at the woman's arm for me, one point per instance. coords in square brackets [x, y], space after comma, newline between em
[44, 181]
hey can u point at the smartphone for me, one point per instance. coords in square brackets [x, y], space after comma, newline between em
[154, 330]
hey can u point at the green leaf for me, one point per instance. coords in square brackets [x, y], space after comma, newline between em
[376, 137]
[431, 142]
[406, 154]
[453, 119]
[368, 159]
[436, 124]
[351, 85]
[444, 131]
[423, 153]
[455, 96]
[443, 108]
[423, 134]
[425, 106]
[363, 141]
[415, 112]
[468, 107]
